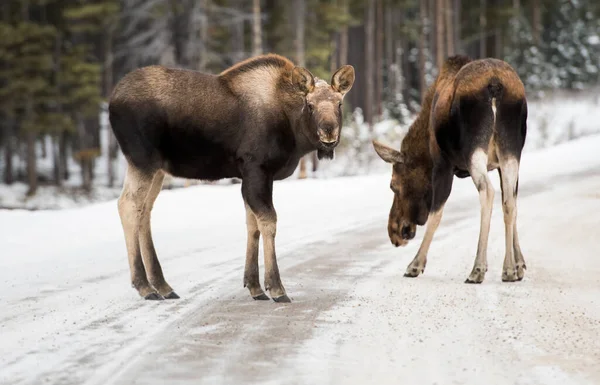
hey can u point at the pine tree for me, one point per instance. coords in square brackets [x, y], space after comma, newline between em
[571, 51]
[528, 58]
[81, 77]
[25, 74]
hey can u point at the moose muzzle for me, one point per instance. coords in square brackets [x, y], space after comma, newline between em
[329, 134]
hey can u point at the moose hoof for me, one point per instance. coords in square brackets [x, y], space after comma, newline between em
[172, 295]
[282, 299]
[477, 275]
[413, 272]
[261, 297]
[509, 275]
[154, 297]
[521, 272]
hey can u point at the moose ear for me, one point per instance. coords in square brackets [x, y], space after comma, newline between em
[343, 79]
[386, 153]
[303, 79]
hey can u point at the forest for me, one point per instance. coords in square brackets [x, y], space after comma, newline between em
[60, 59]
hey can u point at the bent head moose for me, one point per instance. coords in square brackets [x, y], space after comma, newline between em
[473, 120]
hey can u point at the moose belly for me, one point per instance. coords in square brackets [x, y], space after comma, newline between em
[202, 167]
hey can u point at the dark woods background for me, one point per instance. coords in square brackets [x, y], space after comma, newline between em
[59, 59]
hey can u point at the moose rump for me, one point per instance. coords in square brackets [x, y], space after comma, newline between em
[253, 121]
[473, 120]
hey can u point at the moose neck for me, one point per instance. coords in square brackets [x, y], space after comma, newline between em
[415, 145]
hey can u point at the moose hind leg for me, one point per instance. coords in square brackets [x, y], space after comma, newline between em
[478, 171]
[509, 167]
[152, 265]
[519, 259]
[131, 205]
[251, 278]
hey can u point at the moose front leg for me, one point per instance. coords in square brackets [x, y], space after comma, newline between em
[257, 190]
[417, 266]
[442, 178]
[251, 280]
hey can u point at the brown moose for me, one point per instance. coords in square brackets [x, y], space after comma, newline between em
[473, 120]
[254, 121]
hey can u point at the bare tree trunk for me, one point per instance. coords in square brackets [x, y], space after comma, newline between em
[433, 27]
[180, 25]
[402, 60]
[204, 37]
[344, 45]
[482, 25]
[30, 135]
[298, 15]
[58, 167]
[457, 24]
[31, 164]
[537, 20]
[237, 40]
[449, 12]
[422, 40]
[256, 29]
[369, 73]
[299, 11]
[391, 65]
[8, 153]
[84, 160]
[498, 43]
[42, 140]
[439, 41]
[108, 82]
[7, 123]
[379, 60]
[59, 172]
[62, 154]
[343, 31]
[389, 40]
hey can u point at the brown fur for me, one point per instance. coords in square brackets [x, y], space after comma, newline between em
[253, 121]
[474, 112]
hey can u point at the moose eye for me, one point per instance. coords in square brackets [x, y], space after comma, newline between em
[311, 107]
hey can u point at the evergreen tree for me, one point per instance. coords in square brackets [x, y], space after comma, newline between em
[572, 50]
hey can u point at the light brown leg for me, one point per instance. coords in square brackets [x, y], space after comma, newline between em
[152, 265]
[481, 180]
[251, 278]
[521, 266]
[131, 206]
[268, 228]
[509, 175]
[417, 266]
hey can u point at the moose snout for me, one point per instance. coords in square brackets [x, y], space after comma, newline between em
[408, 232]
[327, 127]
[328, 134]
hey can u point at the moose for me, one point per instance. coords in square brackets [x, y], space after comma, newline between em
[473, 120]
[253, 121]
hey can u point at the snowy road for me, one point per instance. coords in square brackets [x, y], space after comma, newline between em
[68, 315]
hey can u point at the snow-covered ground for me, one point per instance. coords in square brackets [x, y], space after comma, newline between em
[69, 316]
